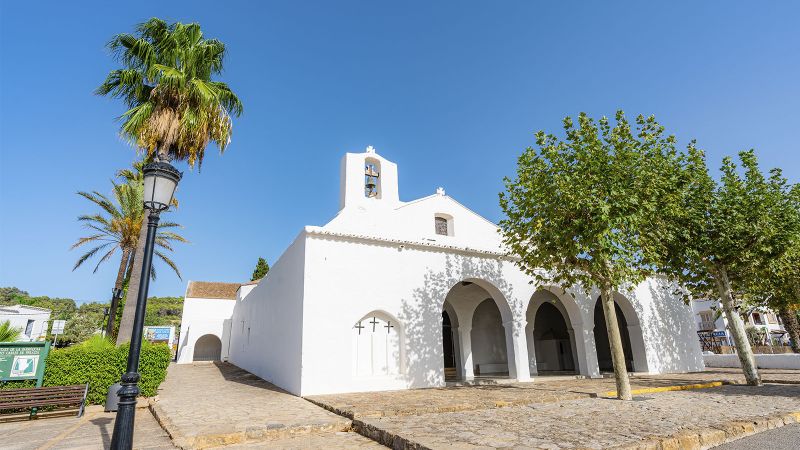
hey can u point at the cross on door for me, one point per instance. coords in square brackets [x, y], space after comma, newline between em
[374, 322]
[359, 327]
[388, 326]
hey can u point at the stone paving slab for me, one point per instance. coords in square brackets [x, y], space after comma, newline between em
[541, 390]
[92, 431]
[210, 404]
[654, 421]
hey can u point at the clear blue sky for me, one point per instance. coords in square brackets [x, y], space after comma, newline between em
[451, 91]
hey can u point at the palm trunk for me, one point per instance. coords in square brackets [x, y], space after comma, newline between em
[615, 342]
[112, 310]
[736, 326]
[128, 311]
[792, 325]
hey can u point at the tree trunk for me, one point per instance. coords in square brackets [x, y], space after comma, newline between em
[112, 309]
[128, 311]
[615, 342]
[736, 326]
[792, 325]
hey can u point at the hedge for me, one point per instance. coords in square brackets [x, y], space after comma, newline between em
[101, 364]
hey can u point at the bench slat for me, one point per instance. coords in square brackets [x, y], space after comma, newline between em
[32, 398]
[38, 404]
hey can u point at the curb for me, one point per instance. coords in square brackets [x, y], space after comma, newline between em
[712, 436]
[252, 434]
[679, 387]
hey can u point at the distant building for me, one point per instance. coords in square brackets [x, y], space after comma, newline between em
[712, 324]
[31, 320]
[205, 324]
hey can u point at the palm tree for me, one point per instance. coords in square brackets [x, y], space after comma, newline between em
[175, 109]
[8, 333]
[117, 227]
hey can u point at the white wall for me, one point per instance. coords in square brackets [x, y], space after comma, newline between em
[267, 323]
[763, 361]
[203, 316]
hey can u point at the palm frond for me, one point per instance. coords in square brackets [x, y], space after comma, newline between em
[170, 263]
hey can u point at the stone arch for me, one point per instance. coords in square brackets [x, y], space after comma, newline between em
[570, 348]
[208, 347]
[490, 351]
[377, 345]
[463, 298]
[630, 331]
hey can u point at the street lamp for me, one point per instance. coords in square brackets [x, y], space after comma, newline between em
[116, 294]
[160, 182]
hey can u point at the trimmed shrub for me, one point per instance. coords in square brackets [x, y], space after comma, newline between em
[99, 363]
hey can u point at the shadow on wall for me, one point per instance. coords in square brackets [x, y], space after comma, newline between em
[421, 315]
[672, 341]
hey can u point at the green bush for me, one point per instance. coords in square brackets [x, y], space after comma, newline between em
[101, 364]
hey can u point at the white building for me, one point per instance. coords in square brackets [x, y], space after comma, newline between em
[709, 317]
[394, 295]
[30, 320]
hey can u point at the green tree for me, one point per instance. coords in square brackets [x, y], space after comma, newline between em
[175, 108]
[261, 270]
[777, 285]
[8, 333]
[8, 295]
[577, 212]
[85, 323]
[723, 234]
[117, 227]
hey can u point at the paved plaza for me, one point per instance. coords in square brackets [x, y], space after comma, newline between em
[90, 432]
[214, 404]
[217, 405]
[593, 422]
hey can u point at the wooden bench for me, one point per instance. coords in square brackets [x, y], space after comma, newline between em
[33, 398]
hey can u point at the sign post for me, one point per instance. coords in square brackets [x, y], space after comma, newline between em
[58, 328]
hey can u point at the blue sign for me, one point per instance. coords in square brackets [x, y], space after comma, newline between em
[158, 334]
[719, 334]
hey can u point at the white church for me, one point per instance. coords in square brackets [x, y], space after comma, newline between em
[395, 294]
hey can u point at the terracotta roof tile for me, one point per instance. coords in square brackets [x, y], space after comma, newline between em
[210, 289]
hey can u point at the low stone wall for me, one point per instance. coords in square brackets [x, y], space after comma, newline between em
[780, 361]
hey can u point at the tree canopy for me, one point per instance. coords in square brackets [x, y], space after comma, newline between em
[261, 270]
[579, 212]
[175, 108]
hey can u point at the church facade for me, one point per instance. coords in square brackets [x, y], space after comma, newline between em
[395, 295]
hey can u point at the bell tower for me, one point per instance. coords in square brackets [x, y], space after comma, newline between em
[368, 180]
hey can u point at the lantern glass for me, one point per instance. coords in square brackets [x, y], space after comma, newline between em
[160, 182]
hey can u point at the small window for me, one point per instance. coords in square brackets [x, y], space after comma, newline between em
[29, 328]
[441, 226]
[757, 319]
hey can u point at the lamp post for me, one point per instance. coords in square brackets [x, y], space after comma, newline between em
[116, 294]
[160, 182]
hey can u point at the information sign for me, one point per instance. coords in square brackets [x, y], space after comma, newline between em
[23, 361]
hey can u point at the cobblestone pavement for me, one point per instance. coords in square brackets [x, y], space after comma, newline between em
[586, 423]
[207, 404]
[541, 390]
[92, 431]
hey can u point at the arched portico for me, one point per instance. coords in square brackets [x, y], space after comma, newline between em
[207, 348]
[630, 333]
[555, 333]
[478, 327]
